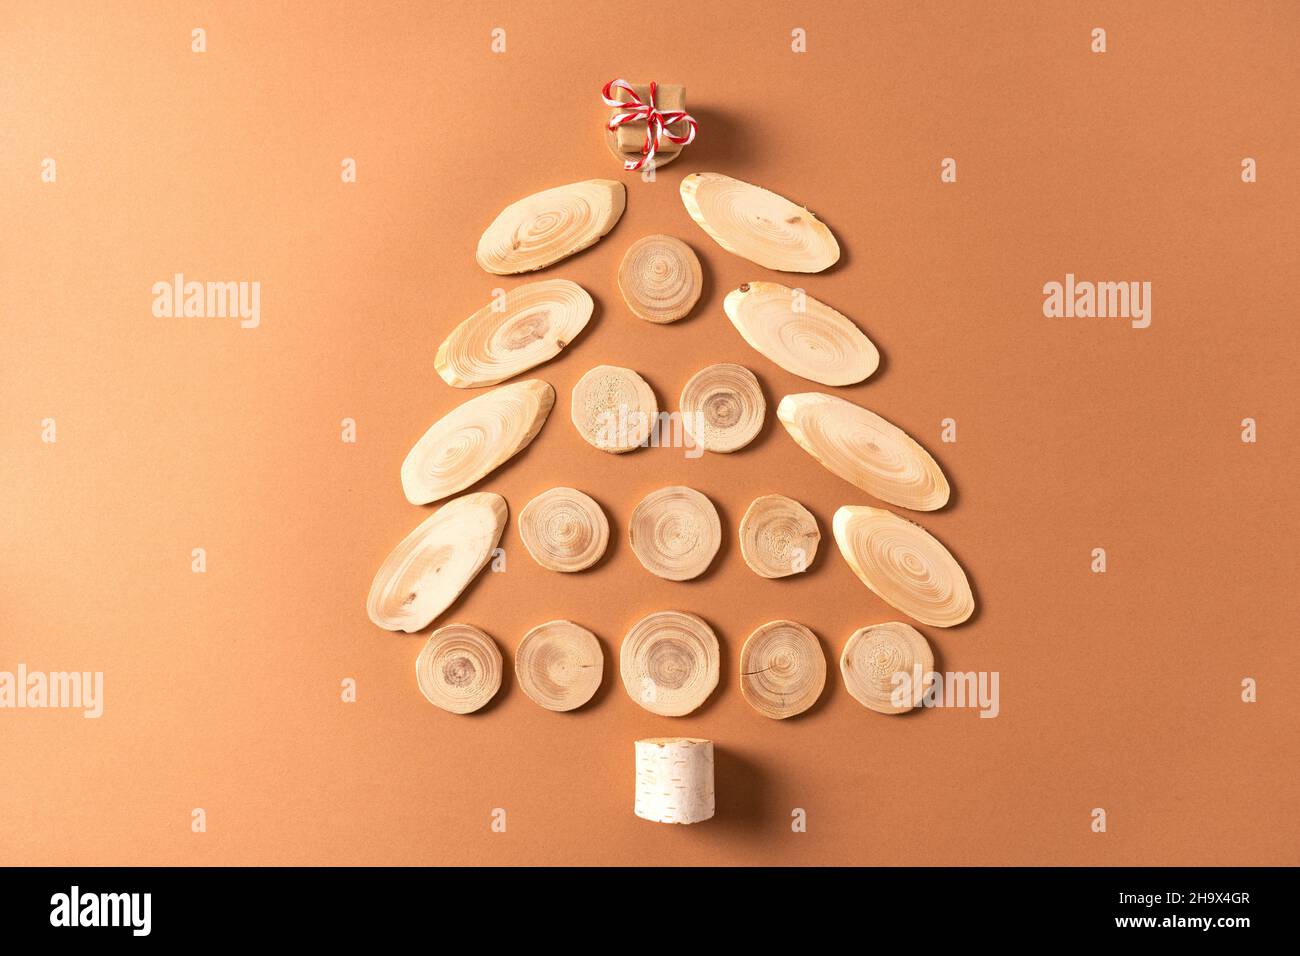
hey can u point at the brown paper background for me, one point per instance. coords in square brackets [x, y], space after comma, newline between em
[1119, 690]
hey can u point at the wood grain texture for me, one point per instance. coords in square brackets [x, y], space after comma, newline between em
[782, 669]
[675, 532]
[459, 669]
[532, 324]
[541, 229]
[758, 224]
[670, 662]
[874, 657]
[660, 278]
[559, 665]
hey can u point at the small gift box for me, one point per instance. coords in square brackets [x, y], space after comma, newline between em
[648, 124]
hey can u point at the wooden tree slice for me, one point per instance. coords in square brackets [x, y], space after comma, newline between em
[874, 655]
[759, 225]
[459, 668]
[728, 401]
[778, 537]
[435, 562]
[614, 409]
[865, 450]
[564, 530]
[494, 344]
[548, 226]
[660, 279]
[906, 567]
[675, 532]
[474, 439]
[674, 779]
[782, 669]
[669, 662]
[816, 343]
[559, 665]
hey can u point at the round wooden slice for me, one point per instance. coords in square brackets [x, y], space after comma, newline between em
[532, 324]
[778, 537]
[874, 656]
[903, 564]
[669, 662]
[660, 279]
[435, 562]
[723, 407]
[475, 438]
[564, 530]
[614, 409]
[559, 665]
[782, 669]
[548, 226]
[459, 668]
[759, 225]
[800, 334]
[675, 532]
[865, 450]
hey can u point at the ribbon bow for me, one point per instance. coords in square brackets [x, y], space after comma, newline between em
[656, 123]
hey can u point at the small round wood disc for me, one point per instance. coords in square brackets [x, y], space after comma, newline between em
[782, 669]
[559, 665]
[778, 537]
[675, 532]
[723, 407]
[670, 662]
[874, 655]
[660, 279]
[614, 409]
[564, 530]
[459, 668]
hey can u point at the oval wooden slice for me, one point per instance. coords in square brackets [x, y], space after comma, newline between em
[614, 409]
[904, 565]
[559, 665]
[723, 407]
[782, 669]
[874, 655]
[778, 537]
[660, 279]
[759, 225]
[435, 562]
[675, 532]
[459, 668]
[865, 450]
[541, 229]
[564, 530]
[816, 343]
[475, 438]
[670, 662]
[531, 326]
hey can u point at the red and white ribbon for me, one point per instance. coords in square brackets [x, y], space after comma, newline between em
[656, 122]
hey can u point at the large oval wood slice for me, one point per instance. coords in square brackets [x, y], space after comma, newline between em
[865, 450]
[499, 341]
[459, 669]
[544, 228]
[434, 563]
[904, 565]
[805, 337]
[874, 655]
[475, 438]
[759, 225]
[670, 662]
